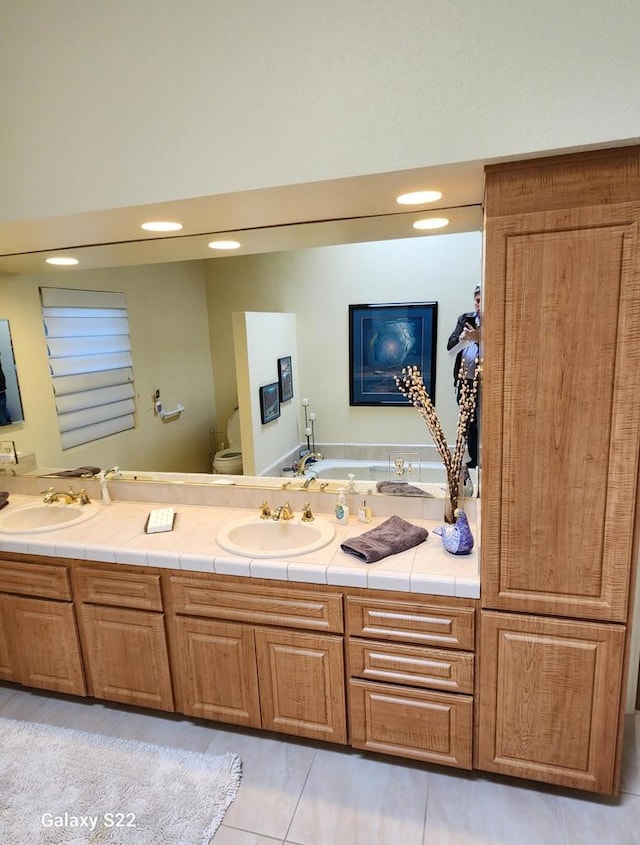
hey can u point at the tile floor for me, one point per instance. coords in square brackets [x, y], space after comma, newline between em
[310, 794]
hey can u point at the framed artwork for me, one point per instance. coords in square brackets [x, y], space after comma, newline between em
[285, 379]
[269, 402]
[382, 340]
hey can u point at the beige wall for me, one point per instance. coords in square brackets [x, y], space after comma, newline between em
[169, 336]
[118, 104]
[318, 285]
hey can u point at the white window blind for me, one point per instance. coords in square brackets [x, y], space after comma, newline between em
[89, 352]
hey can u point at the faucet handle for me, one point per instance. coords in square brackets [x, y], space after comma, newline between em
[307, 516]
[82, 497]
[265, 510]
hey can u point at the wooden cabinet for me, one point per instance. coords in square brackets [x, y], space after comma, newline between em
[123, 636]
[237, 658]
[550, 691]
[560, 446]
[301, 678]
[216, 674]
[411, 677]
[39, 644]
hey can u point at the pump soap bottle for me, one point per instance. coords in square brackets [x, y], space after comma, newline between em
[342, 508]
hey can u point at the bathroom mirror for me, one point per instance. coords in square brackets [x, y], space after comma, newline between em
[315, 283]
[10, 401]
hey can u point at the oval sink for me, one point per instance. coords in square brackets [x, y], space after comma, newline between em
[251, 536]
[30, 519]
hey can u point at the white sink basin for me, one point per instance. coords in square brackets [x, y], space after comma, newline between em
[32, 519]
[251, 536]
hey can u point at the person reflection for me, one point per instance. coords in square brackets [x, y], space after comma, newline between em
[464, 343]
[5, 418]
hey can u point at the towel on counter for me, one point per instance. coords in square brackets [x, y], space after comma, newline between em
[393, 536]
[4, 500]
[80, 472]
[401, 488]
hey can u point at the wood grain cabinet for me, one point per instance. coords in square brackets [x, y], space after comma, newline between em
[123, 636]
[259, 655]
[561, 437]
[39, 645]
[411, 668]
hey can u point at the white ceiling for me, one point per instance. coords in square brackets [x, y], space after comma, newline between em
[350, 210]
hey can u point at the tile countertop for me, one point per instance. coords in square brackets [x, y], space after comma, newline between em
[116, 535]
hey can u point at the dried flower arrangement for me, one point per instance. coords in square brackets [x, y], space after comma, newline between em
[411, 385]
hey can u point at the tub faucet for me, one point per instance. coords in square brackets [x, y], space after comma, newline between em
[310, 456]
[311, 477]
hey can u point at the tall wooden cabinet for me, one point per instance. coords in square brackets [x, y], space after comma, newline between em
[560, 434]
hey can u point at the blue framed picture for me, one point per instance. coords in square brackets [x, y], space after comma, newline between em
[382, 340]
[269, 402]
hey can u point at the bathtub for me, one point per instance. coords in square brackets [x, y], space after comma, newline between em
[373, 471]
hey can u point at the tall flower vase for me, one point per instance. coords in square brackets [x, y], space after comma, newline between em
[453, 499]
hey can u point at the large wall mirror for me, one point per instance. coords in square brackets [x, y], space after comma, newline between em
[10, 401]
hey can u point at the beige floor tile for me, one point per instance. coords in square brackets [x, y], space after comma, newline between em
[232, 836]
[601, 821]
[630, 772]
[274, 772]
[360, 800]
[471, 809]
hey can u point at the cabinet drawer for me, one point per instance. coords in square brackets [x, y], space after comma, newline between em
[431, 726]
[415, 666]
[118, 589]
[411, 622]
[282, 606]
[35, 579]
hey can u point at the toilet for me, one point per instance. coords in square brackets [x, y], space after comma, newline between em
[229, 461]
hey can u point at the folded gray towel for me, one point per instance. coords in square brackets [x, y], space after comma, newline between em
[4, 500]
[401, 488]
[393, 536]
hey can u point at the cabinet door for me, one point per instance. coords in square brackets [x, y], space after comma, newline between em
[7, 663]
[301, 680]
[560, 409]
[126, 656]
[549, 699]
[431, 726]
[45, 642]
[216, 675]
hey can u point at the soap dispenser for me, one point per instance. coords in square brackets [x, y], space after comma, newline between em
[342, 508]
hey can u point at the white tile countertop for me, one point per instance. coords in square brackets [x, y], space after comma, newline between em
[116, 535]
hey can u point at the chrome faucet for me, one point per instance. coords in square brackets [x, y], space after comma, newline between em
[310, 456]
[283, 512]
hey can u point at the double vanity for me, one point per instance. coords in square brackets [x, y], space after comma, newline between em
[307, 641]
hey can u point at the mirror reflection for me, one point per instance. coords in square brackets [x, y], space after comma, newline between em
[184, 346]
[10, 402]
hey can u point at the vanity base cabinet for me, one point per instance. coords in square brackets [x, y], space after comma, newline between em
[45, 645]
[216, 671]
[423, 725]
[301, 679]
[254, 654]
[123, 636]
[549, 696]
[126, 656]
[39, 645]
[411, 668]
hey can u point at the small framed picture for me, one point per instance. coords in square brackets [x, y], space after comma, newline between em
[269, 402]
[285, 379]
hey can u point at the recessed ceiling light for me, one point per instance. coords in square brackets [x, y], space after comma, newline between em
[224, 245]
[161, 226]
[419, 197]
[431, 223]
[62, 261]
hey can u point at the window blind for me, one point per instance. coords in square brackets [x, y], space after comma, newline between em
[89, 351]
